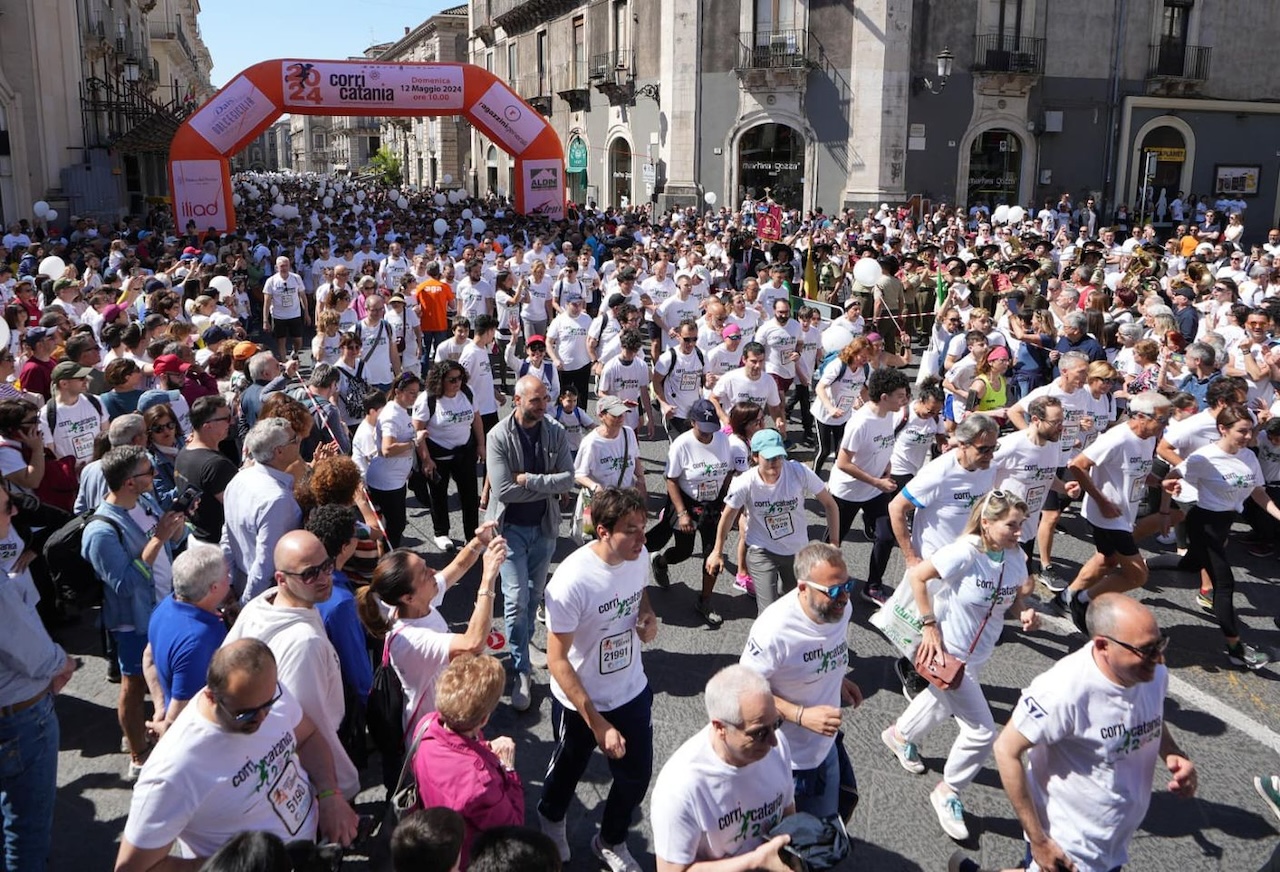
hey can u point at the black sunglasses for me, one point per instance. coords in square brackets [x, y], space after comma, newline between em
[311, 573]
[1147, 652]
[247, 716]
[759, 734]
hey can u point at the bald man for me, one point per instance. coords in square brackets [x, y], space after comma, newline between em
[1092, 728]
[242, 756]
[286, 618]
[529, 467]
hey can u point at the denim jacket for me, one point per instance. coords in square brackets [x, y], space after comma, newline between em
[128, 592]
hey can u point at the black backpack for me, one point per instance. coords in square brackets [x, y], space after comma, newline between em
[73, 576]
[384, 712]
[353, 397]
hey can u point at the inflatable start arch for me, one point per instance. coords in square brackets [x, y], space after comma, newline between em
[200, 174]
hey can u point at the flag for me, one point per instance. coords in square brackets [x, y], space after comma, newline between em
[942, 292]
[810, 276]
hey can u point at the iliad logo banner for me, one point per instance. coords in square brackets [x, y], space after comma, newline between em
[198, 192]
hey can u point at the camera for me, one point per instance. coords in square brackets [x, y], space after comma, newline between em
[185, 501]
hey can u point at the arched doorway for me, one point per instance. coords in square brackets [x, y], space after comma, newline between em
[771, 161]
[491, 170]
[620, 173]
[1159, 172]
[995, 168]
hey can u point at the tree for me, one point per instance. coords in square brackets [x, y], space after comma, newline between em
[385, 166]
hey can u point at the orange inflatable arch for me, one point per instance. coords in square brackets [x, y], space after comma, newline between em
[200, 174]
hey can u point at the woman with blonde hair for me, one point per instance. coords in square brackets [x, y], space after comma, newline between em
[841, 388]
[963, 593]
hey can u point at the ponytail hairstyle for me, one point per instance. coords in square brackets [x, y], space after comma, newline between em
[392, 581]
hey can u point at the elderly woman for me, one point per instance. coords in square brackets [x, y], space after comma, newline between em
[454, 765]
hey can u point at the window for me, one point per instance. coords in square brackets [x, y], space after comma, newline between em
[317, 139]
[1175, 21]
[513, 62]
[542, 63]
[775, 15]
[620, 16]
[579, 73]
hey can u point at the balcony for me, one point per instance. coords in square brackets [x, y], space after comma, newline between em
[610, 73]
[1007, 64]
[535, 90]
[1175, 68]
[122, 115]
[570, 83]
[518, 16]
[774, 59]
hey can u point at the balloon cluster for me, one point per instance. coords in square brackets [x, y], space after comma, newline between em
[42, 211]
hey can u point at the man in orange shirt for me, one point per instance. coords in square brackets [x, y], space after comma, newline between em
[435, 303]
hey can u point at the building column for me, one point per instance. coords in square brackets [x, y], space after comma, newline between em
[680, 65]
[881, 60]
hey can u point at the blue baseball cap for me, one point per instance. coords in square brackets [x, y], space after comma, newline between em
[768, 444]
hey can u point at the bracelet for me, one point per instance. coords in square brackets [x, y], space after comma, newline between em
[927, 619]
[682, 514]
[325, 794]
[799, 715]
[483, 592]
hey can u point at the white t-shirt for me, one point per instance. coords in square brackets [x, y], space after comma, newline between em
[162, 568]
[844, 386]
[805, 663]
[1185, 436]
[780, 341]
[611, 462]
[710, 809]
[1095, 750]
[475, 360]
[1075, 405]
[599, 604]
[735, 387]
[776, 519]
[625, 379]
[576, 424]
[681, 378]
[381, 472]
[1028, 470]
[472, 297]
[1268, 459]
[377, 361]
[285, 295]
[1223, 481]
[747, 322]
[202, 784]
[569, 335]
[75, 428]
[672, 312]
[974, 585]
[1122, 463]
[911, 445]
[699, 470]
[419, 653]
[720, 360]
[538, 297]
[943, 493]
[869, 438]
[450, 425]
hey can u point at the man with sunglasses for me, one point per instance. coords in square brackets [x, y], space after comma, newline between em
[243, 756]
[799, 645]
[1080, 749]
[285, 617]
[726, 788]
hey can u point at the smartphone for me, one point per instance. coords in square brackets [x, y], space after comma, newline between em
[794, 861]
[185, 501]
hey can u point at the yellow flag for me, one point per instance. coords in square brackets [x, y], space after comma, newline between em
[810, 276]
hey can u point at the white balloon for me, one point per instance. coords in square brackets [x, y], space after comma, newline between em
[440, 226]
[394, 195]
[467, 214]
[51, 215]
[279, 198]
[254, 194]
[866, 271]
[275, 189]
[236, 200]
[357, 208]
[477, 226]
[327, 202]
[52, 266]
[1113, 280]
[835, 338]
[439, 199]
[710, 198]
[1016, 214]
[1000, 215]
[360, 195]
[403, 203]
[446, 178]
[221, 284]
[40, 208]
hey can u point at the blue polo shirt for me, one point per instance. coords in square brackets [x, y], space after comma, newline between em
[183, 638]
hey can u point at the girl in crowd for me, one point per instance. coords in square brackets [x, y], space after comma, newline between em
[841, 388]
[963, 593]
[383, 448]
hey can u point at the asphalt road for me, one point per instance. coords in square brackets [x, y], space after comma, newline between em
[1223, 718]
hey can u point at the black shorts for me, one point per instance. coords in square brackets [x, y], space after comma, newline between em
[287, 328]
[1112, 542]
[1054, 501]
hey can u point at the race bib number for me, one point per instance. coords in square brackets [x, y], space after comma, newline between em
[707, 491]
[845, 403]
[1137, 489]
[82, 446]
[615, 652]
[779, 526]
[1070, 433]
[291, 798]
[688, 382]
[1035, 498]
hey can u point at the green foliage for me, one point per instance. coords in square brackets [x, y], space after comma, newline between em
[384, 165]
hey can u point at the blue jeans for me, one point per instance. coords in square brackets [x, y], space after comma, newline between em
[28, 783]
[430, 339]
[524, 575]
[818, 790]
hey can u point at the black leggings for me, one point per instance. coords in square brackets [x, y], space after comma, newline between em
[1207, 549]
[663, 531]
[875, 522]
[829, 436]
[394, 515]
[804, 399]
[461, 468]
[579, 380]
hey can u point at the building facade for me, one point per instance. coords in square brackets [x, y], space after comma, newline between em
[836, 104]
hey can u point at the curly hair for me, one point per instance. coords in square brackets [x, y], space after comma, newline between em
[334, 526]
[334, 481]
[439, 372]
[281, 405]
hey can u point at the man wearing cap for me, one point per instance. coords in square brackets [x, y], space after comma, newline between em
[283, 310]
[37, 373]
[71, 421]
[678, 377]
[1185, 314]
[697, 475]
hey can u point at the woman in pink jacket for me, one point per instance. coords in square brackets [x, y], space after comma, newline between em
[454, 765]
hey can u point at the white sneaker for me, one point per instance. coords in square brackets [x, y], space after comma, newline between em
[444, 543]
[616, 857]
[135, 769]
[555, 831]
[1167, 538]
[537, 658]
[520, 696]
[950, 811]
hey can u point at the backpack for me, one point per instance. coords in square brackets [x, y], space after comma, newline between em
[671, 362]
[51, 410]
[353, 397]
[73, 576]
[548, 371]
[384, 711]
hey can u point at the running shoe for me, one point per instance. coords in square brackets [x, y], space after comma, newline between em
[444, 543]
[555, 830]
[1268, 787]
[907, 753]
[1079, 608]
[950, 811]
[616, 857]
[661, 575]
[875, 594]
[541, 614]
[1052, 580]
[913, 683]
[1247, 656]
[962, 862]
[744, 582]
[709, 614]
[1169, 538]
[1204, 599]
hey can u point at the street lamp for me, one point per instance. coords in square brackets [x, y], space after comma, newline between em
[131, 69]
[945, 60]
